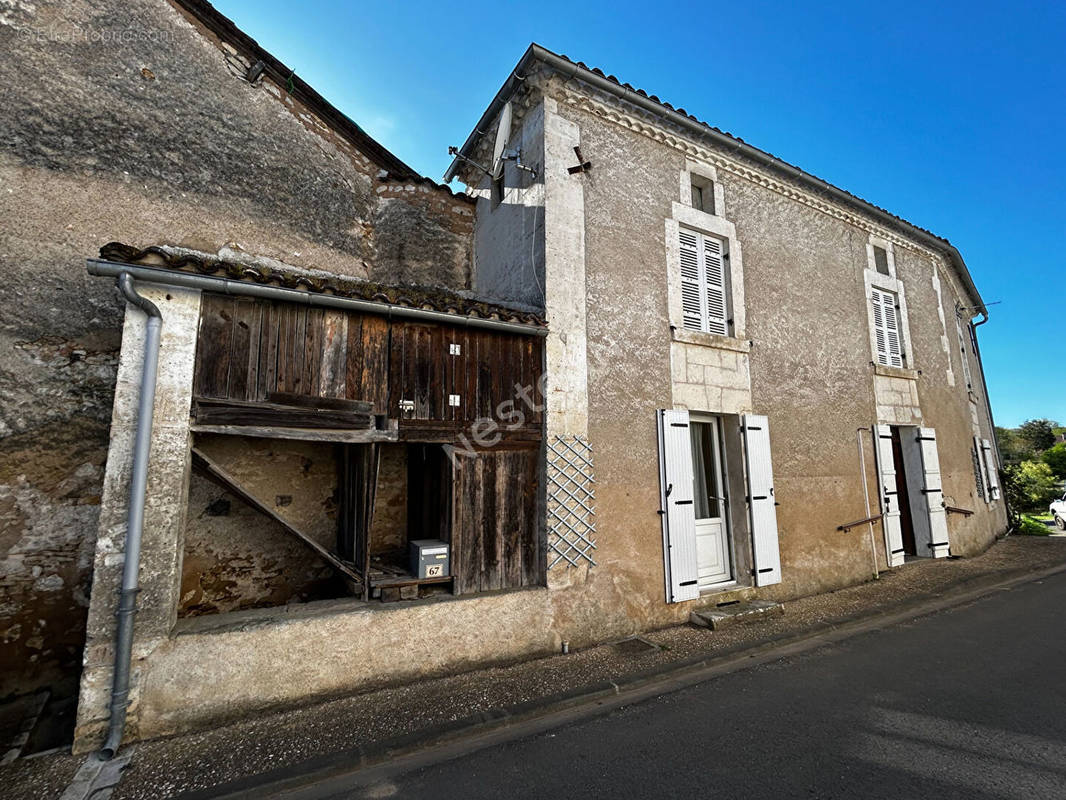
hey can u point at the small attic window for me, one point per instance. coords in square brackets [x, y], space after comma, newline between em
[702, 193]
[881, 260]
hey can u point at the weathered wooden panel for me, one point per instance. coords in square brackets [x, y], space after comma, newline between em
[214, 344]
[249, 350]
[368, 369]
[494, 520]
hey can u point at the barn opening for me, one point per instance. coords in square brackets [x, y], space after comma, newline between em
[334, 455]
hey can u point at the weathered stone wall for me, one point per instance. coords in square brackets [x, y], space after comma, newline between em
[124, 121]
[810, 362]
[236, 557]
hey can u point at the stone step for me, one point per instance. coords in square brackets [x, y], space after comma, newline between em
[719, 617]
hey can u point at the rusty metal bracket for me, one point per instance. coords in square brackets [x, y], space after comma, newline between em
[849, 525]
[956, 510]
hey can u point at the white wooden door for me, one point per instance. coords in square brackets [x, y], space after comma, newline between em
[712, 541]
[886, 473]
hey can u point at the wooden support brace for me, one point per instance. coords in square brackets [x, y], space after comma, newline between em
[208, 467]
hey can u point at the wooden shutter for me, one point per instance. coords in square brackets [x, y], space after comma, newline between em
[991, 470]
[887, 336]
[761, 502]
[933, 492]
[677, 510]
[703, 283]
[714, 289]
[691, 294]
[886, 475]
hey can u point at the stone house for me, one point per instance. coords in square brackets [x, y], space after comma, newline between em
[625, 376]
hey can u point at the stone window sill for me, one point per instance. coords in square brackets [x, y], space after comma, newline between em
[897, 372]
[710, 340]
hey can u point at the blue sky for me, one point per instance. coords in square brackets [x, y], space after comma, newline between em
[950, 114]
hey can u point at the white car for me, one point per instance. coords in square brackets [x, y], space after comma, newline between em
[1058, 512]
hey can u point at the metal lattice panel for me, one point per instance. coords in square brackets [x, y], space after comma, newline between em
[571, 509]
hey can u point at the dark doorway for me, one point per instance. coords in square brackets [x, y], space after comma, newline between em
[906, 521]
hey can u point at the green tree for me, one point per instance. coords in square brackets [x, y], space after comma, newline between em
[1014, 449]
[1030, 486]
[1055, 458]
[1038, 433]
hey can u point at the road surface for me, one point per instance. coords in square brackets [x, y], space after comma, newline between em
[966, 703]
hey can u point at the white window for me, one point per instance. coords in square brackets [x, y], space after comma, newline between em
[704, 281]
[888, 339]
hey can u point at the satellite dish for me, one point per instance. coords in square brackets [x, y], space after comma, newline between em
[503, 135]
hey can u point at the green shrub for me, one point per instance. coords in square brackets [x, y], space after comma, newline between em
[1030, 527]
[1030, 486]
[1055, 458]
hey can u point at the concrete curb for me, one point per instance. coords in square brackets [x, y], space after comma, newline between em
[531, 716]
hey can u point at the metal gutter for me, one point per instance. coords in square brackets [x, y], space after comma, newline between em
[721, 140]
[210, 283]
[131, 564]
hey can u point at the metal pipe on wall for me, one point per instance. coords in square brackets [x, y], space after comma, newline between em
[208, 283]
[866, 498]
[127, 602]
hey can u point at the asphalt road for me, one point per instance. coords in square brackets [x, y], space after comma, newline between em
[966, 703]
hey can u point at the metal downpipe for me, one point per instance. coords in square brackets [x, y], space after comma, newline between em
[127, 602]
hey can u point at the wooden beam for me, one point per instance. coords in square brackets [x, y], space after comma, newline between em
[206, 465]
[236, 412]
[301, 434]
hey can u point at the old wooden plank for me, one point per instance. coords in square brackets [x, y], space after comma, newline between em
[456, 537]
[332, 377]
[356, 436]
[469, 498]
[203, 463]
[374, 380]
[310, 370]
[532, 546]
[421, 362]
[213, 346]
[208, 411]
[310, 401]
[286, 348]
[269, 336]
[244, 312]
[493, 523]
[511, 514]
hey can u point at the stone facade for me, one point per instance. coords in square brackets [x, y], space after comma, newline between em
[105, 144]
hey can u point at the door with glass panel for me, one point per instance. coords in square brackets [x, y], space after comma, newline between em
[712, 539]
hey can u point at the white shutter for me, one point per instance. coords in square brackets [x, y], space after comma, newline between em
[933, 492]
[981, 476]
[886, 473]
[678, 512]
[887, 338]
[761, 502]
[691, 294]
[714, 274]
[703, 283]
[991, 470]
